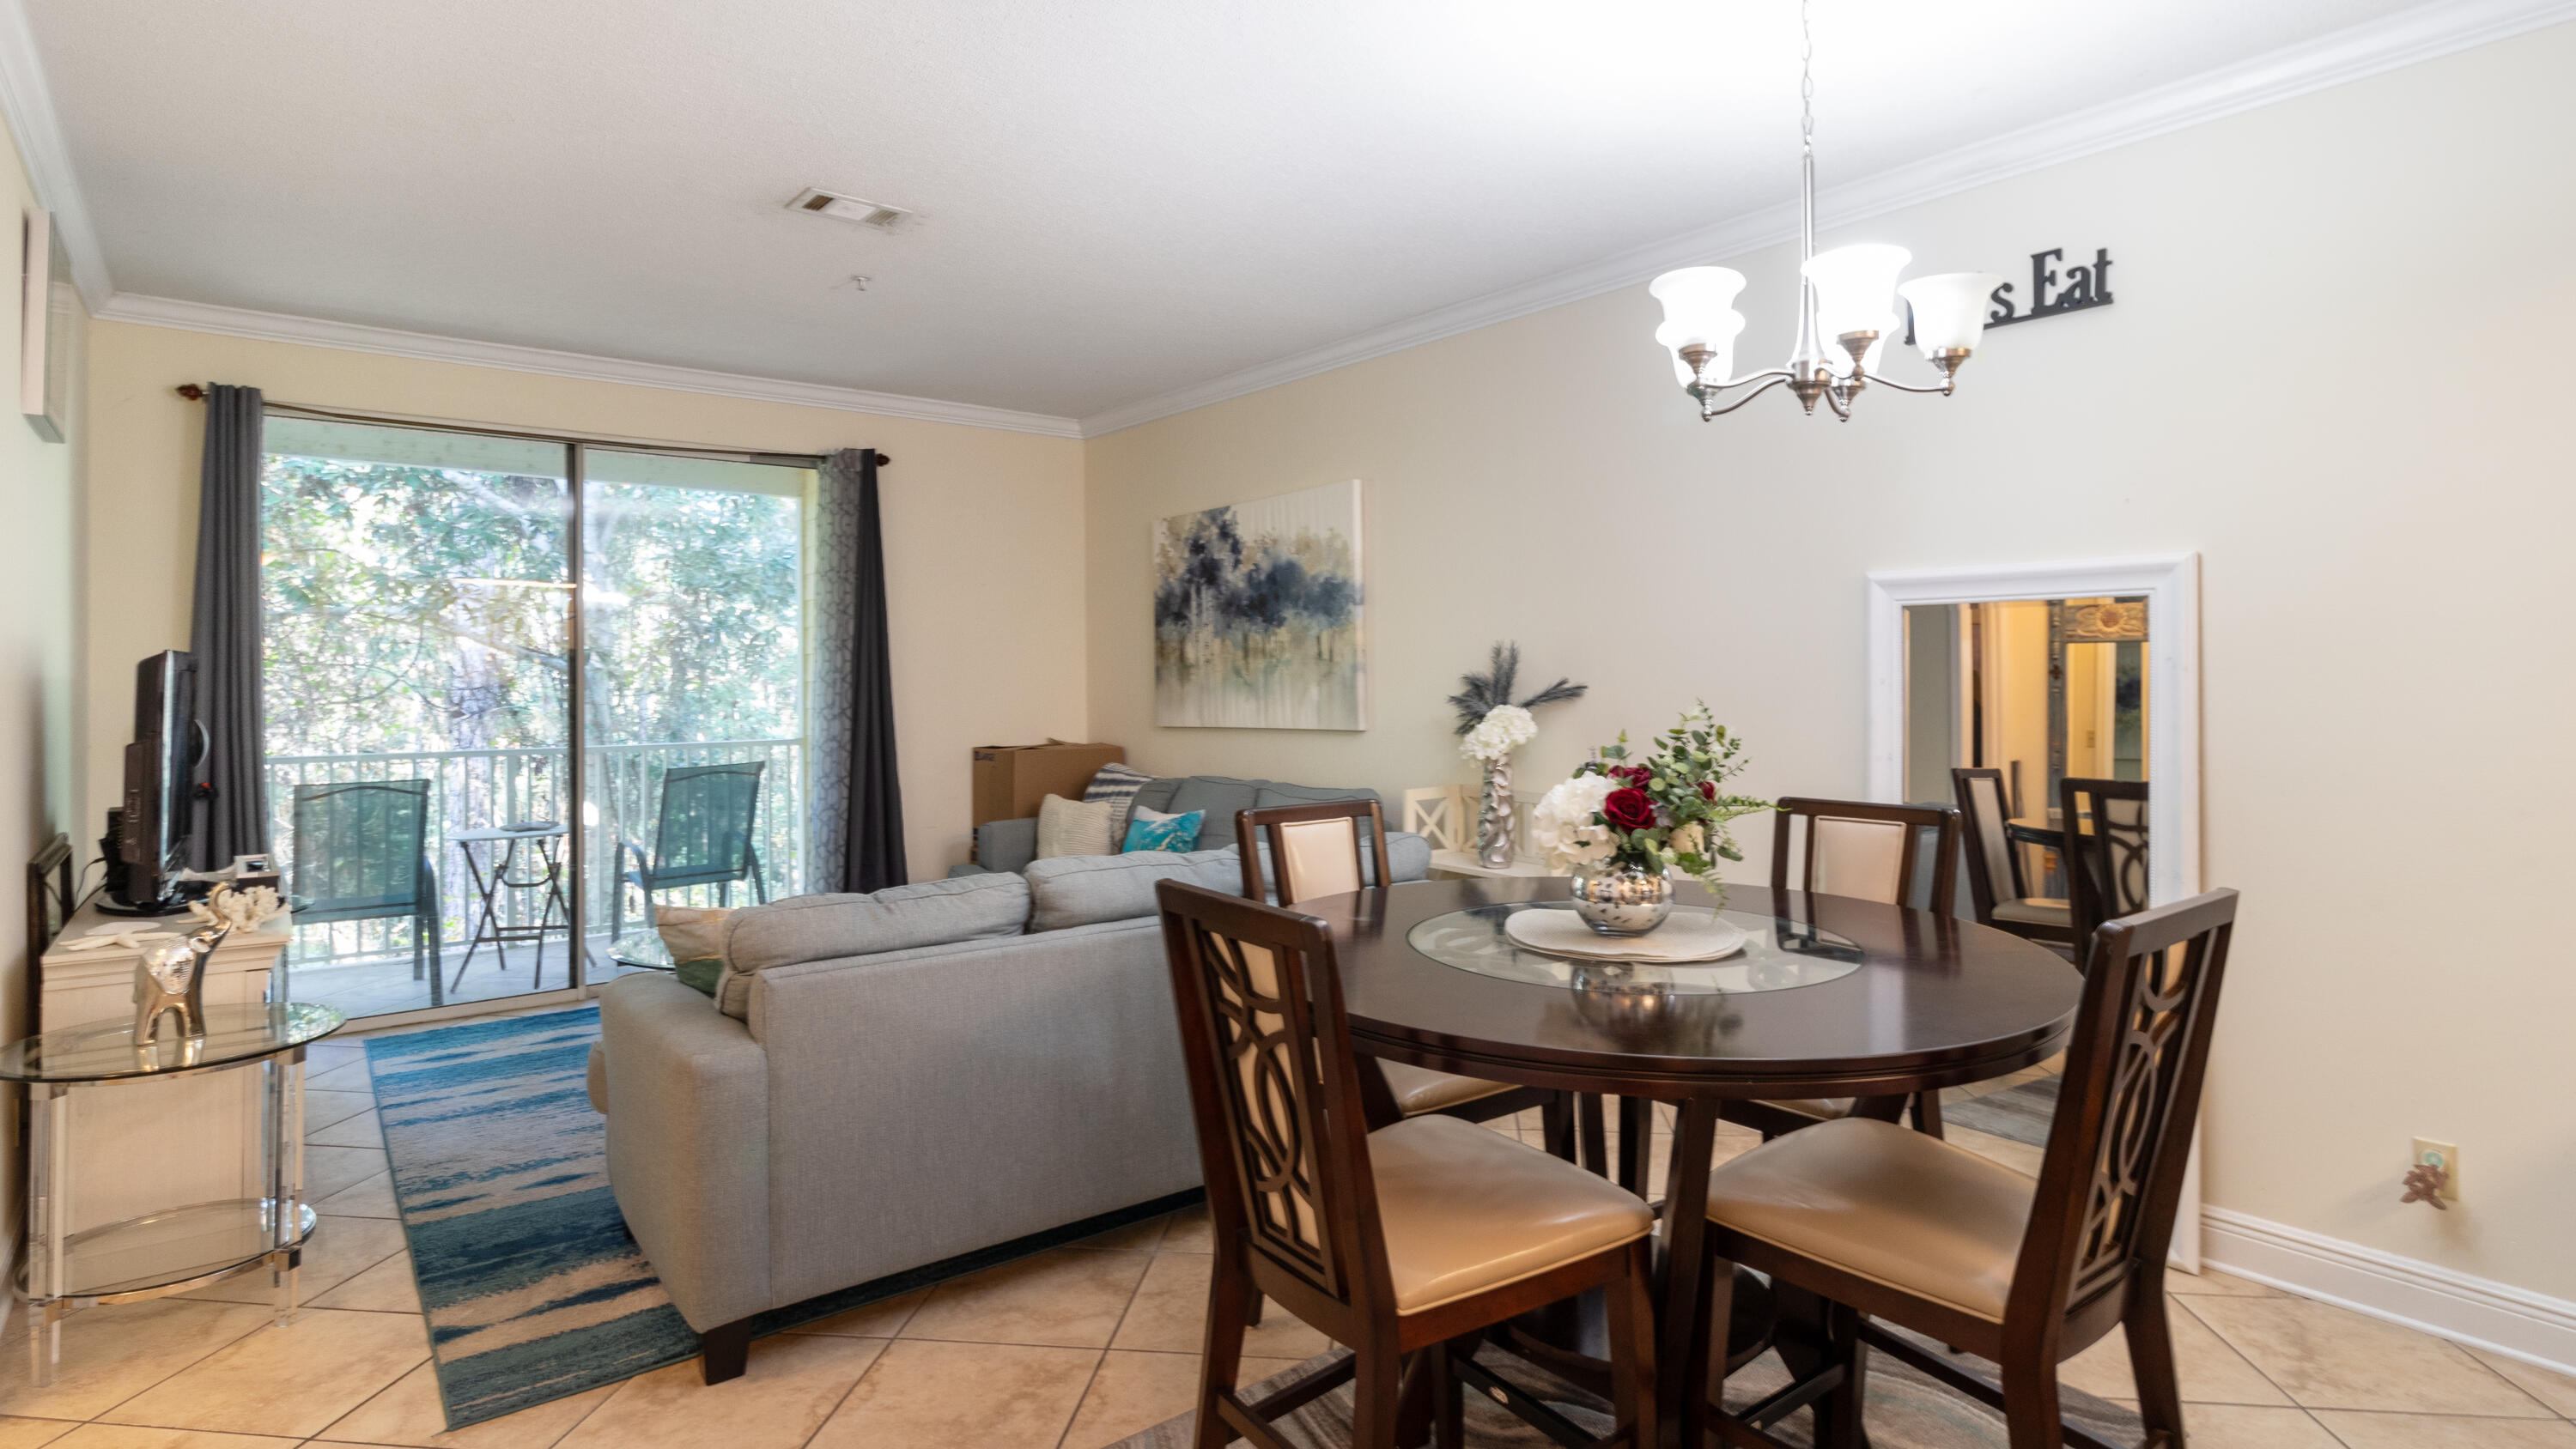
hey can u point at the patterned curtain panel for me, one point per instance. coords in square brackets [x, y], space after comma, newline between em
[224, 632]
[855, 820]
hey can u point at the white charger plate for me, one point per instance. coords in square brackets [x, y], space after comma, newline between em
[1691, 933]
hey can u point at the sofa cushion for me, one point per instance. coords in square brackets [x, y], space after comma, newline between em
[1117, 784]
[1075, 827]
[1006, 844]
[1153, 830]
[1222, 798]
[1273, 794]
[1078, 890]
[1157, 794]
[818, 928]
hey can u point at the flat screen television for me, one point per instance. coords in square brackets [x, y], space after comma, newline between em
[160, 784]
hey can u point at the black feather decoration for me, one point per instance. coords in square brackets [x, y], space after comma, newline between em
[1482, 693]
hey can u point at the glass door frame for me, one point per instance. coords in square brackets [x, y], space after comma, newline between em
[576, 448]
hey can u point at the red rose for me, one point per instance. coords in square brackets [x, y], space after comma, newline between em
[1633, 774]
[1708, 791]
[1629, 809]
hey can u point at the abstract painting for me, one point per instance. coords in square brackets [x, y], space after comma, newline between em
[1257, 614]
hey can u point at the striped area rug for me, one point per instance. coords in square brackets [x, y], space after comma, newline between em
[533, 1287]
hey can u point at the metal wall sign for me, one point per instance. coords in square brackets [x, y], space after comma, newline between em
[2053, 292]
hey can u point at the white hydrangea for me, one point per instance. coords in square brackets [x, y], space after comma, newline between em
[1561, 824]
[1505, 728]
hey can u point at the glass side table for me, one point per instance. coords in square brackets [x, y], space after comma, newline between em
[185, 1247]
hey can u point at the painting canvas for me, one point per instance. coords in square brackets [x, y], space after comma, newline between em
[1257, 614]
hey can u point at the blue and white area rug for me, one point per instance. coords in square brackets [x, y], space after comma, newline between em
[533, 1287]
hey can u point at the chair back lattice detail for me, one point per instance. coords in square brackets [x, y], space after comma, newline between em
[1273, 1084]
[2106, 868]
[358, 848]
[704, 834]
[1867, 850]
[2130, 1094]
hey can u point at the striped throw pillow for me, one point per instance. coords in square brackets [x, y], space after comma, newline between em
[1117, 784]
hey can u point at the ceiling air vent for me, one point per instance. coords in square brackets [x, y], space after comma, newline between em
[848, 208]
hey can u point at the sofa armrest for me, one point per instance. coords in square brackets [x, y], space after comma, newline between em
[1006, 844]
[965, 868]
[688, 1144]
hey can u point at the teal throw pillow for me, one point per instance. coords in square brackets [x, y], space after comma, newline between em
[1172, 832]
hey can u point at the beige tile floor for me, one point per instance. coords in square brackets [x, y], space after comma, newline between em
[1069, 1350]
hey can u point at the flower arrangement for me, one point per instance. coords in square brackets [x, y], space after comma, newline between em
[1668, 811]
[1505, 728]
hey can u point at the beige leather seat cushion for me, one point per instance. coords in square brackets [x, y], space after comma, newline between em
[1893, 1206]
[1420, 1089]
[2037, 911]
[1467, 1209]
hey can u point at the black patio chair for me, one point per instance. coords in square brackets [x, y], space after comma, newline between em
[702, 838]
[359, 856]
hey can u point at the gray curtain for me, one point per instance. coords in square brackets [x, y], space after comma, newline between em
[855, 815]
[224, 633]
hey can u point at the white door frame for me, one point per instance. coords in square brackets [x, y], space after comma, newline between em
[2171, 584]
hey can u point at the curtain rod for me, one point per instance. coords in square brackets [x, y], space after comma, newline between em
[195, 393]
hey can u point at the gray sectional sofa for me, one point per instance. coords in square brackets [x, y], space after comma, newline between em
[934, 1070]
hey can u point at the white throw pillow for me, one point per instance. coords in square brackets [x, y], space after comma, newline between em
[1075, 827]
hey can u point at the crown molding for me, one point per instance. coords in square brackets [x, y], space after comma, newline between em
[28, 103]
[2426, 32]
[428, 347]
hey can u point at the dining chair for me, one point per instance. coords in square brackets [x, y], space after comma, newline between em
[1885, 1224]
[360, 855]
[1995, 883]
[2106, 862]
[1440, 814]
[1316, 850]
[1874, 852]
[1403, 1243]
[702, 837]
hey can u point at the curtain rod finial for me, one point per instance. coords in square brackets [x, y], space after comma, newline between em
[884, 461]
[191, 392]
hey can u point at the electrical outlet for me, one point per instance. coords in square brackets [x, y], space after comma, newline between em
[2444, 1155]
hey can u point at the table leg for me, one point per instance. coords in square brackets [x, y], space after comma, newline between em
[43, 1226]
[1681, 1352]
[1636, 1142]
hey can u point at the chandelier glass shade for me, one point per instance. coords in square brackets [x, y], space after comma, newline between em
[1850, 305]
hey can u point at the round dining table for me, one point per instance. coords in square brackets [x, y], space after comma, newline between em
[1830, 997]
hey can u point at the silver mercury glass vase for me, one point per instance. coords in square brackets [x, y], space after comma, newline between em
[1617, 899]
[1494, 849]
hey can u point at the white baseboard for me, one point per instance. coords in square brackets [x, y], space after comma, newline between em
[2448, 1304]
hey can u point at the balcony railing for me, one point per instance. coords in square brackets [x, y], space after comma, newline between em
[483, 789]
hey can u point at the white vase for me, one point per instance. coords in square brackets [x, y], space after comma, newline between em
[1494, 848]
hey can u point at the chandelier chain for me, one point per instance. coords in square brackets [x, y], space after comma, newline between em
[1806, 78]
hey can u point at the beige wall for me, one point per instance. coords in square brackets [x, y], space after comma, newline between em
[2335, 369]
[39, 622]
[983, 535]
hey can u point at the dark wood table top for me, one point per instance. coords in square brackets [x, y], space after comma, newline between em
[1935, 1002]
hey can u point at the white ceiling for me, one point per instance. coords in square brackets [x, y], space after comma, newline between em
[1114, 201]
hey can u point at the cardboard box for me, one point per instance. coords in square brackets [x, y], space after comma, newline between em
[1010, 780]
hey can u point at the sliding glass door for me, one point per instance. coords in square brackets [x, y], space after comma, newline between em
[693, 691]
[427, 593]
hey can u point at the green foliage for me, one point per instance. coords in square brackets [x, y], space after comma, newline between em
[417, 609]
[1684, 777]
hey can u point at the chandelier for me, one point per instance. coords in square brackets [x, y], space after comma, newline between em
[1848, 294]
